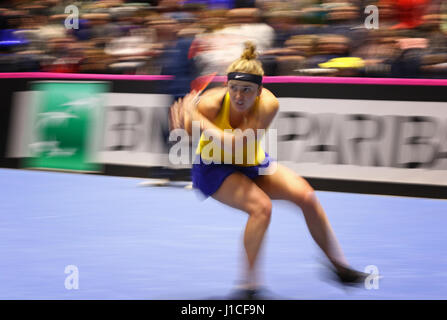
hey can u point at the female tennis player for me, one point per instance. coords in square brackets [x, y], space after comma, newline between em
[244, 104]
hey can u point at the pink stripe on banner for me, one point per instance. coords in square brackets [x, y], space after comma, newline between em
[72, 76]
[278, 79]
[353, 80]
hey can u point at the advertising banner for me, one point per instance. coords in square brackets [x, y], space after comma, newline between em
[384, 139]
[63, 125]
[371, 140]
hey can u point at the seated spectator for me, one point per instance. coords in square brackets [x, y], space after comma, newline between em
[409, 62]
[291, 59]
[378, 53]
[224, 45]
[408, 12]
[284, 24]
[328, 46]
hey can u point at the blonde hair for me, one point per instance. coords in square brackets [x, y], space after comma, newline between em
[247, 63]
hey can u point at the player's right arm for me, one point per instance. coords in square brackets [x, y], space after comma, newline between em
[207, 108]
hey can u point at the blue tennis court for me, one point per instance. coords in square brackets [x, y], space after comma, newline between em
[134, 242]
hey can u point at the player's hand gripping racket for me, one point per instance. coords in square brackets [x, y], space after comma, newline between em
[188, 103]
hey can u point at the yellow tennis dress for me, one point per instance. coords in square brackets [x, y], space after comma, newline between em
[209, 151]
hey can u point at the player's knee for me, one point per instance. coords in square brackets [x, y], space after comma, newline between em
[262, 209]
[308, 198]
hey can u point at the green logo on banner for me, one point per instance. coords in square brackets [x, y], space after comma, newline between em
[67, 114]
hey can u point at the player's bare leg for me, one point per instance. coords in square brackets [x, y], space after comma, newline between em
[241, 193]
[286, 185]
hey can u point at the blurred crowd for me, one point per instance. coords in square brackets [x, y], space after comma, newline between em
[405, 38]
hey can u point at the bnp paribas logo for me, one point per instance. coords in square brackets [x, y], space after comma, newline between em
[65, 118]
[49, 142]
[52, 126]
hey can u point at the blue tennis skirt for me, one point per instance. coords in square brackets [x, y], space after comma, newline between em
[209, 177]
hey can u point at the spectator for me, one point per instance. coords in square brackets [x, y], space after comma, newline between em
[224, 45]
